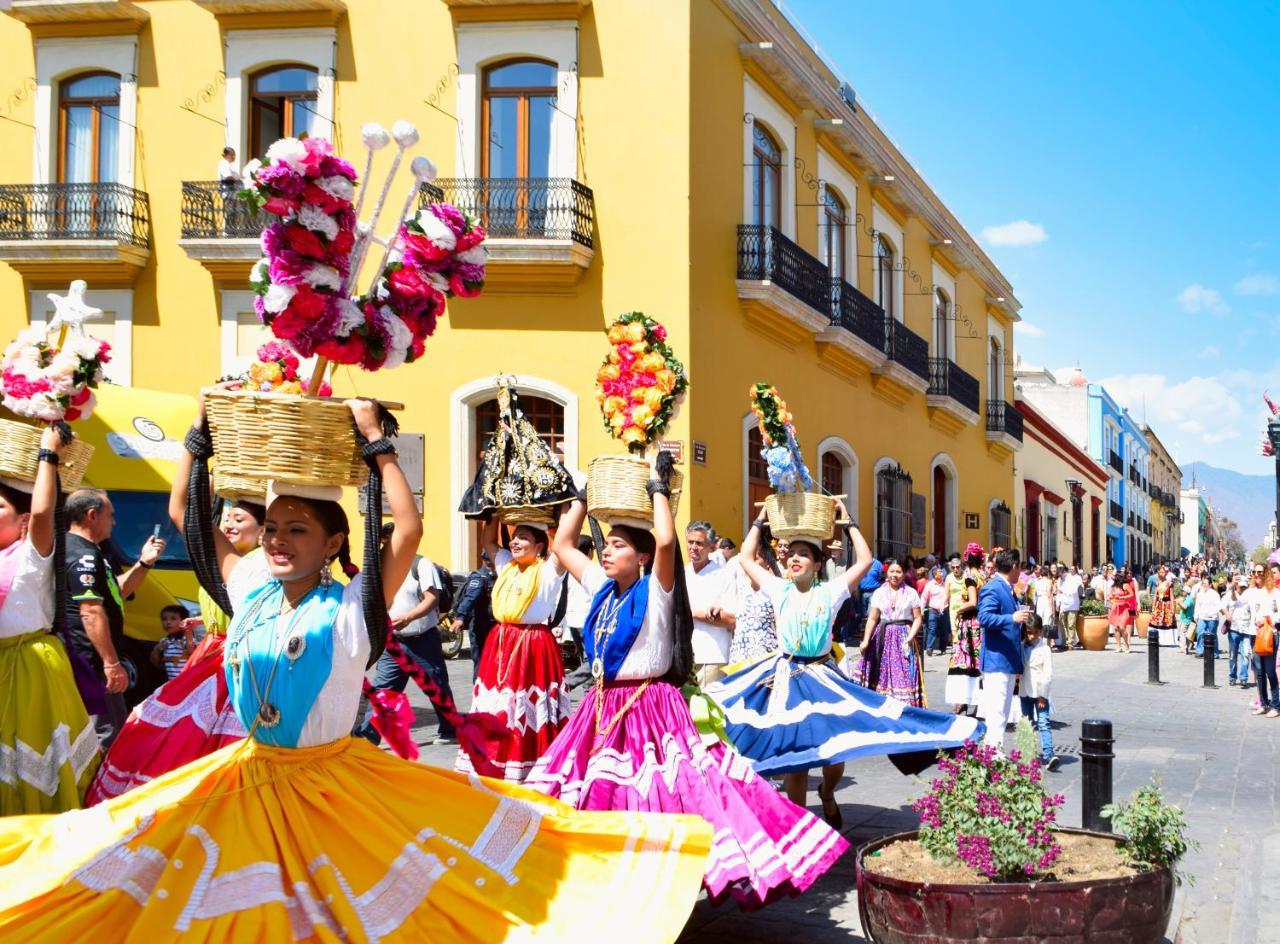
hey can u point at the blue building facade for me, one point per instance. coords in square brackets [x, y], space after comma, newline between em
[1116, 443]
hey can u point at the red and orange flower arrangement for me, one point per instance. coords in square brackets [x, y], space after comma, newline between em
[640, 382]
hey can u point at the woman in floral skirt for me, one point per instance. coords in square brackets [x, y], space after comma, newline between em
[890, 662]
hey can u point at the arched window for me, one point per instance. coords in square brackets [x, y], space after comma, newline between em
[893, 512]
[547, 418]
[835, 216]
[758, 487]
[834, 473]
[886, 266]
[941, 324]
[995, 371]
[89, 128]
[282, 104]
[766, 179]
[515, 118]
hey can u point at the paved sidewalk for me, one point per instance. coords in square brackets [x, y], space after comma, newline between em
[1215, 760]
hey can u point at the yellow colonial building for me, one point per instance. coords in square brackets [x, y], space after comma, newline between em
[694, 159]
[1165, 483]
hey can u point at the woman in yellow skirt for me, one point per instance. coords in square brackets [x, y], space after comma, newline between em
[48, 747]
[302, 832]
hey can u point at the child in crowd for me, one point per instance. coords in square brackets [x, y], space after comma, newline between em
[1037, 678]
[172, 652]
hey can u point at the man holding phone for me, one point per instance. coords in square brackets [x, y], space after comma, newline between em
[95, 611]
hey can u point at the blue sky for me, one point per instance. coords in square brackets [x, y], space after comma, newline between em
[1141, 142]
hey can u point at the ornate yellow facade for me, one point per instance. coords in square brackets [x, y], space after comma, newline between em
[693, 159]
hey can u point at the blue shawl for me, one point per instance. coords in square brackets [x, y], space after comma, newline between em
[630, 619]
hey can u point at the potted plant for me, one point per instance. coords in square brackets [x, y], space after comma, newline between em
[1145, 603]
[1094, 626]
[989, 864]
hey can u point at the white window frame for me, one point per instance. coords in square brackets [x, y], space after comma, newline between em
[230, 303]
[250, 51]
[757, 103]
[882, 224]
[845, 451]
[953, 501]
[462, 434]
[62, 58]
[943, 280]
[887, 462]
[480, 45]
[846, 186]
[119, 370]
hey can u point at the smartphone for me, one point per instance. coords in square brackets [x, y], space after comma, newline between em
[155, 531]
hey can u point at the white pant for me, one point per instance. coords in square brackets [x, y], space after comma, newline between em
[994, 703]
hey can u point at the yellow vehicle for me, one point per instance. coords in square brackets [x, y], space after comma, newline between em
[137, 439]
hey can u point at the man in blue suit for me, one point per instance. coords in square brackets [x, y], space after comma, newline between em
[1001, 619]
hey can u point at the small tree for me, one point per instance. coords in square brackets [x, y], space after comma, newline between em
[1259, 554]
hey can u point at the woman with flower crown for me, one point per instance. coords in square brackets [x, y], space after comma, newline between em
[48, 748]
[796, 711]
[302, 831]
[190, 715]
[632, 743]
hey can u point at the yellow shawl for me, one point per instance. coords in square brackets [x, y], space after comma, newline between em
[514, 590]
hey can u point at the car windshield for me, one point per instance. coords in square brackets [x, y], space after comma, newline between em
[137, 514]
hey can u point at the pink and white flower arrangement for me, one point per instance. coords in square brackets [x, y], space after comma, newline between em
[277, 371]
[436, 254]
[47, 383]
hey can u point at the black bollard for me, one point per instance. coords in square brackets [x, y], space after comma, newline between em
[1095, 769]
[1153, 656]
[1210, 655]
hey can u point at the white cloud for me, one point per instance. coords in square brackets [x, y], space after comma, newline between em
[1196, 298]
[1258, 284]
[1027, 328]
[1210, 353]
[1017, 233]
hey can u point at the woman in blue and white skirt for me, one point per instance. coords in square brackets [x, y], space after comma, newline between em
[797, 711]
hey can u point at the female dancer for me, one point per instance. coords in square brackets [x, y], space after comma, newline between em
[964, 671]
[1164, 614]
[303, 831]
[890, 662]
[48, 748]
[189, 716]
[798, 711]
[632, 743]
[519, 702]
[1123, 602]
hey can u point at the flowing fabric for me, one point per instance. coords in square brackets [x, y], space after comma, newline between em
[964, 669]
[342, 842]
[48, 747]
[890, 666]
[789, 714]
[183, 720]
[653, 759]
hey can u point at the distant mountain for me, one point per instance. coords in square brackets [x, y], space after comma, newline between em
[1249, 500]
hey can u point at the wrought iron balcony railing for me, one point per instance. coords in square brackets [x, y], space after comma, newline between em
[1004, 417]
[212, 209]
[1117, 512]
[764, 254]
[946, 379]
[1116, 462]
[857, 314]
[908, 349]
[99, 211]
[522, 207]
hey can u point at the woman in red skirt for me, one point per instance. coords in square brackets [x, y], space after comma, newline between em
[519, 703]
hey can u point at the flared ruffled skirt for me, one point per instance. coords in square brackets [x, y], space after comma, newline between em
[518, 704]
[185, 719]
[48, 746]
[787, 715]
[654, 759]
[343, 843]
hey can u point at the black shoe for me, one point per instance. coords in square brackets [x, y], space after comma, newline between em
[1054, 763]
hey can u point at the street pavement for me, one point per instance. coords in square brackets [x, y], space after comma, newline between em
[1214, 759]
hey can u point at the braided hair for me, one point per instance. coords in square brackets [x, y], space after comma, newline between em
[682, 654]
[377, 622]
[197, 519]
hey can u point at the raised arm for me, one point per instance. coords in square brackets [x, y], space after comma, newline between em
[397, 557]
[862, 558]
[747, 555]
[489, 539]
[664, 537]
[224, 551]
[44, 498]
[565, 544]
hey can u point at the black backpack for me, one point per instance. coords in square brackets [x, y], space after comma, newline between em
[444, 602]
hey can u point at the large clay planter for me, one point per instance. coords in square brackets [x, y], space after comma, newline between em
[1094, 632]
[1144, 620]
[1134, 909]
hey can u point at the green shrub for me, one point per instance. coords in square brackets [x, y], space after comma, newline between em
[1093, 608]
[1155, 832]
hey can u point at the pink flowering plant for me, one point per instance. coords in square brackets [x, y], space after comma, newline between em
[301, 282]
[990, 813]
[44, 382]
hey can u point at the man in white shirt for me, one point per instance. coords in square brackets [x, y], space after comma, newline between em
[711, 599]
[1206, 611]
[415, 619]
[228, 172]
[1099, 584]
[1069, 587]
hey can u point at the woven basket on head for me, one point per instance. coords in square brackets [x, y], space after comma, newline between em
[284, 437]
[239, 487]
[801, 515]
[616, 490]
[20, 448]
[525, 514]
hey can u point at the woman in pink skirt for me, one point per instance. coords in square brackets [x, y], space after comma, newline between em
[632, 743]
[890, 662]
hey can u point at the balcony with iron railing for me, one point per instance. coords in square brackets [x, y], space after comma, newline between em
[104, 228]
[1117, 463]
[957, 387]
[781, 288]
[907, 348]
[855, 338]
[1116, 512]
[1004, 424]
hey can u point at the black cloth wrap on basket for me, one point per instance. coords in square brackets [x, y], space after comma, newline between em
[197, 519]
[377, 622]
[61, 593]
[682, 653]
